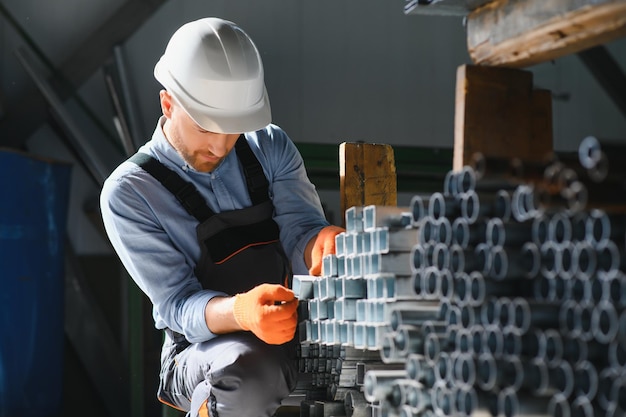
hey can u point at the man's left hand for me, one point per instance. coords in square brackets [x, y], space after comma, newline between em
[323, 245]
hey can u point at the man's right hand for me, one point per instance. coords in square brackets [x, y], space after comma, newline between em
[269, 311]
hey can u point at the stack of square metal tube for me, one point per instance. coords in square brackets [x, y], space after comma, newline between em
[503, 295]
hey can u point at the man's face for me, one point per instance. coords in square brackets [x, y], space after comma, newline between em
[201, 149]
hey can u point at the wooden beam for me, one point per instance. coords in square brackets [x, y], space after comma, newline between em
[499, 114]
[541, 125]
[520, 33]
[367, 175]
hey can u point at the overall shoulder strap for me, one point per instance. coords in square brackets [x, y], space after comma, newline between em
[185, 192]
[258, 186]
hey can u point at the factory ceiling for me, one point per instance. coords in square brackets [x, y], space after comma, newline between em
[23, 111]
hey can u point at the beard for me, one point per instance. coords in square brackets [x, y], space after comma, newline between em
[200, 160]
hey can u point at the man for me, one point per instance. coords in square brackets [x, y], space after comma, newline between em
[211, 218]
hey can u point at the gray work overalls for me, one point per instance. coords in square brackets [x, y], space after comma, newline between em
[234, 374]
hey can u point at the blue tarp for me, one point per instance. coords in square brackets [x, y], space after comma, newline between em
[34, 196]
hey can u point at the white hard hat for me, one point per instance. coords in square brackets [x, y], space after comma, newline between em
[214, 70]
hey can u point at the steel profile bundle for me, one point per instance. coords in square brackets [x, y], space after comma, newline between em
[351, 305]
[510, 303]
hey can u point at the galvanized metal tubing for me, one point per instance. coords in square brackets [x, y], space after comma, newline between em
[601, 157]
[491, 300]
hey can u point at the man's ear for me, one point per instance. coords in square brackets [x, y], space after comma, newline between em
[167, 103]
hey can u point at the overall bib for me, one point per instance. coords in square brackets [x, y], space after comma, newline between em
[240, 249]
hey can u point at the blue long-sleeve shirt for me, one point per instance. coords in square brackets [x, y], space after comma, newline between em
[155, 237]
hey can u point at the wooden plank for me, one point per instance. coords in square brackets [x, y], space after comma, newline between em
[499, 114]
[520, 33]
[474, 4]
[541, 125]
[417, 168]
[367, 175]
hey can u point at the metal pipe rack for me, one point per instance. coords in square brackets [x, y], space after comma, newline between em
[490, 297]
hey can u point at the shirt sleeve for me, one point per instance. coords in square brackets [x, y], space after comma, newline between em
[297, 207]
[153, 261]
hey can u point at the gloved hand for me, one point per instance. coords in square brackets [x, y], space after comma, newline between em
[268, 311]
[324, 245]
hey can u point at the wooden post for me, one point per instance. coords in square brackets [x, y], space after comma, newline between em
[367, 175]
[499, 114]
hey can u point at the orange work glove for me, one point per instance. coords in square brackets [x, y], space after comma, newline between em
[268, 311]
[324, 245]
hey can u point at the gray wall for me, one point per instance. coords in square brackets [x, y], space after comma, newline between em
[362, 70]
[580, 106]
[335, 70]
